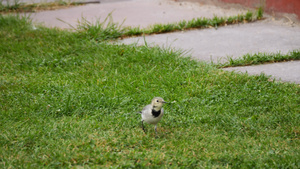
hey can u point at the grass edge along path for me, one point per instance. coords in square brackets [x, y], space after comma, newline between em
[108, 30]
[198, 23]
[259, 58]
[18, 7]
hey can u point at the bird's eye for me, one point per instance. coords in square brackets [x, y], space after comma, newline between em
[157, 101]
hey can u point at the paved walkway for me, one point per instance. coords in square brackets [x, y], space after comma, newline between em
[206, 44]
[284, 71]
[234, 41]
[134, 12]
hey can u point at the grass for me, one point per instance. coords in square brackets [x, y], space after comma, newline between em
[196, 23]
[100, 30]
[260, 58]
[68, 101]
[107, 29]
[17, 7]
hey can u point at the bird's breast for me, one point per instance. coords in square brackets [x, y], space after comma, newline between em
[156, 113]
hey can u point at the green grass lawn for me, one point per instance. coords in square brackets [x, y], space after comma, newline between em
[68, 101]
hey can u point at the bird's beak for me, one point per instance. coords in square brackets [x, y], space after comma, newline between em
[164, 102]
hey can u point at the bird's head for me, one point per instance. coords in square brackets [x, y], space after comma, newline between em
[157, 103]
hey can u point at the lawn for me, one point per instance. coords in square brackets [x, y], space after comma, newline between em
[70, 101]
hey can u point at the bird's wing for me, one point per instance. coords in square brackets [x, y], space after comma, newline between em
[147, 109]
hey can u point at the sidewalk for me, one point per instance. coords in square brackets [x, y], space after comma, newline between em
[134, 12]
[284, 71]
[207, 45]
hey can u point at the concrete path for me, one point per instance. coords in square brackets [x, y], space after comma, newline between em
[207, 44]
[132, 12]
[234, 41]
[284, 71]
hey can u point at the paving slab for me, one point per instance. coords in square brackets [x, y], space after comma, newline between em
[136, 13]
[12, 2]
[235, 41]
[283, 71]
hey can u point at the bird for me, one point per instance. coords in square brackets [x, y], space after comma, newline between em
[152, 113]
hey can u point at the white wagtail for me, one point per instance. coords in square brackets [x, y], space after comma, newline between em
[152, 113]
